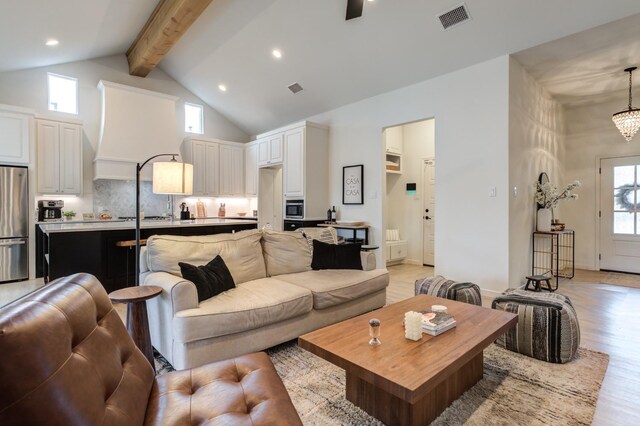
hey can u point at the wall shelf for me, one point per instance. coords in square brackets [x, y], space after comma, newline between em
[393, 163]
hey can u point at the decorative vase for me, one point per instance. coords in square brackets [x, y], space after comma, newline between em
[544, 220]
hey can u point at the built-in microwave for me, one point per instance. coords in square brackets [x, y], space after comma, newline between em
[294, 209]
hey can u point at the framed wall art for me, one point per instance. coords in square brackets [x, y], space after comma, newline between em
[353, 184]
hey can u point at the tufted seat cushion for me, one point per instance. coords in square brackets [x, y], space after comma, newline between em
[242, 391]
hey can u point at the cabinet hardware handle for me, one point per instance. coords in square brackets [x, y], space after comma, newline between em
[13, 243]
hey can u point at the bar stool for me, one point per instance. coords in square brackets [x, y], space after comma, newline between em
[130, 244]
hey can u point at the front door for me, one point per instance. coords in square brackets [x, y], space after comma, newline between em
[428, 211]
[620, 214]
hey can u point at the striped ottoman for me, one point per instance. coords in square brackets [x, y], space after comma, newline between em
[547, 327]
[441, 287]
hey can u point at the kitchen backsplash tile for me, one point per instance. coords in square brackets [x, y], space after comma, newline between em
[119, 197]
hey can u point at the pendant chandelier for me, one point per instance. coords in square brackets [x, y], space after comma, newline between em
[628, 121]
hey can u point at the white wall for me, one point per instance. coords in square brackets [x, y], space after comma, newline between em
[591, 135]
[536, 144]
[404, 211]
[470, 107]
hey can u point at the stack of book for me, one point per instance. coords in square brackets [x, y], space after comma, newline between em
[435, 323]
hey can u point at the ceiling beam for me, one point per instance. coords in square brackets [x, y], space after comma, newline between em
[168, 22]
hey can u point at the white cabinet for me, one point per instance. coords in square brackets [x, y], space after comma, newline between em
[396, 250]
[294, 163]
[15, 124]
[251, 170]
[305, 165]
[59, 157]
[218, 166]
[393, 140]
[231, 170]
[204, 156]
[270, 150]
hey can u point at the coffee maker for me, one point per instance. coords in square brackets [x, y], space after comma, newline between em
[50, 210]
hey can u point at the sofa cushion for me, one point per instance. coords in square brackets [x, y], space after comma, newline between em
[285, 252]
[320, 233]
[242, 391]
[249, 306]
[210, 279]
[334, 256]
[331, 287]
[242, 253]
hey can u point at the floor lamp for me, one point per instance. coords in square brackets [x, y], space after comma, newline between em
[169, 177]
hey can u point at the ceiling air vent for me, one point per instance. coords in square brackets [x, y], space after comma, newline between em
[295, 88]
[454, 17]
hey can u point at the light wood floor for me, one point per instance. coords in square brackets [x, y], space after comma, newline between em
[609, 318]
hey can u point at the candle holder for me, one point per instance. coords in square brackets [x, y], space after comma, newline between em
[374, 332]
[413, 325]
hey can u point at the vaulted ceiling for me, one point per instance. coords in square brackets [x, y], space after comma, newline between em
[395, 43]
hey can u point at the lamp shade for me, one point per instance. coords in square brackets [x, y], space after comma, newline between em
[172, 177]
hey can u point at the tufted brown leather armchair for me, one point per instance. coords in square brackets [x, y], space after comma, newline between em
[67, 360]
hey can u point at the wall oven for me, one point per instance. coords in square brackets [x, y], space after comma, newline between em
[294, 209]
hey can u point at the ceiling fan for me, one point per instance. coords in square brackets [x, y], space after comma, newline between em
[354, 9]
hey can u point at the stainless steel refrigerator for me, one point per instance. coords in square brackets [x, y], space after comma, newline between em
[14, 224]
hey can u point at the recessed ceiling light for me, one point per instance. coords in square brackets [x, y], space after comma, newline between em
[222, 87]
[52, 42]
[276, 53]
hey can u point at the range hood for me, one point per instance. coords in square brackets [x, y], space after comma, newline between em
[135, 124]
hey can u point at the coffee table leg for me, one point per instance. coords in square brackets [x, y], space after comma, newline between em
[393, 410]
[138, 327]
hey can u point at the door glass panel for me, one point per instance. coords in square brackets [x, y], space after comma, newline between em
[623, 176]
[625, 199]
[623, 223]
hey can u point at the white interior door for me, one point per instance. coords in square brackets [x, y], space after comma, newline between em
[428, 211]
[620, 214]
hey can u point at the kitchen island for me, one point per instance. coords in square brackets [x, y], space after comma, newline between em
[97, 247]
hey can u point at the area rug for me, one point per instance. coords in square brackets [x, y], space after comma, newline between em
[515, 390]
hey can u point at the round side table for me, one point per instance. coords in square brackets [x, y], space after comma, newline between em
[137, 320]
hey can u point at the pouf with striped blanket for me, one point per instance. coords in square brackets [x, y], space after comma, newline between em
[439, 286]
[547, 326]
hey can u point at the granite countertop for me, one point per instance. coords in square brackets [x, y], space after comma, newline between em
[112, 225]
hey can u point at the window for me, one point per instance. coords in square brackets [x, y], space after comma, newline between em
[626, 199]
[63, 93]
[193, 118]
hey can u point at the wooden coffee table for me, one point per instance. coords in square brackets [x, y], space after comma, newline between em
[402, 382]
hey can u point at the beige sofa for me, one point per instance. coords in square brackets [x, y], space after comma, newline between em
[277, 296]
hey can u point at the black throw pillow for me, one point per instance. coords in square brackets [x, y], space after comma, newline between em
[210, 279]
[335, 256]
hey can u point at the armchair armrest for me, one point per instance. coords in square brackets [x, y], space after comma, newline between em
[368, 260]
[177, 295]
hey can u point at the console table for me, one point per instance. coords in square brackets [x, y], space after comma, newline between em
[354, 228]
[554, 253]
